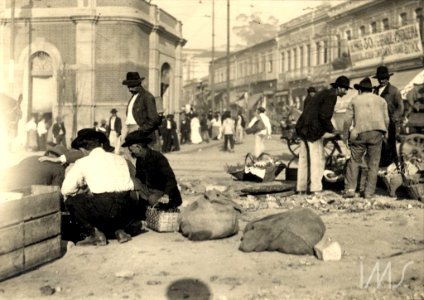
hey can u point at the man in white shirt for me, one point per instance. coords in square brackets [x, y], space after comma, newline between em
[97, 191]
[114, 130]
[264, 133]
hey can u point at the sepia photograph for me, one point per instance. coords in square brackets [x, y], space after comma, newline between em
[212, 149]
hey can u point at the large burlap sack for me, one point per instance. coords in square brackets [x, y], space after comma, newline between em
[209, 217]
[292, 232]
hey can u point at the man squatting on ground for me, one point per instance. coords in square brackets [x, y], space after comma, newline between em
[97, 191]
[365, 126]
[155, 178]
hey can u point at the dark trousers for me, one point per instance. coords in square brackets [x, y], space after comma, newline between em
[42, 141]
[61, 140]
[368, 144]
[388, 150]
[185, 136]
[228, 139]
[107, 211]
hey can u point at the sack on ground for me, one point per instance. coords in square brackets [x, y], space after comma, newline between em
[293, 232]
[212, 216]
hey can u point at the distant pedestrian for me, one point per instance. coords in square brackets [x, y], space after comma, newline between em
[31, 129]
[59, 132]
[42, 133]
[263, 134]
[195, 137]
[227, 130]
[240, 125]
[103, 128]
[216, 126]
[184, 128]
[204, 129]
[115, 130]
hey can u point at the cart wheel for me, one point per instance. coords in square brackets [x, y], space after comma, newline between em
[413, 146]
[294, 146]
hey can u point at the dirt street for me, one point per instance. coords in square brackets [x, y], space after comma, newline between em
[382, 242]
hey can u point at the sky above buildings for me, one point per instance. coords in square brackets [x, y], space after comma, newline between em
[196, 16]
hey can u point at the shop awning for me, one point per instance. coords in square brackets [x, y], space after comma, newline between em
[418, 79]
[401, 79]
[252, 100]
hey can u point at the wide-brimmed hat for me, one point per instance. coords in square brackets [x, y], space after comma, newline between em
[57, 149]
[364, 84]
[382, 73]
[113, 111]
[91, 134]
[342, 81]
[133, 79]
[137, 137]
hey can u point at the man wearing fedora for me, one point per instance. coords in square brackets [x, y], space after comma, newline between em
[365, 125]
[154, 173]
[395, 108]
[141, 110]
[313, 123]
[114, 130]
[97, 190]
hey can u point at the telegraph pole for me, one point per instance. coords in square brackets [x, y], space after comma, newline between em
[212, 69]
[227, 101]
[12, 47]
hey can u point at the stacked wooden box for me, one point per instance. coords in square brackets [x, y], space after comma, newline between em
[29, 229]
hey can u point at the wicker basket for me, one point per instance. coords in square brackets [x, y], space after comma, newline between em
[162, 221]
[416, 191]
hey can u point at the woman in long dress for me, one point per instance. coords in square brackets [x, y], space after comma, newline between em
[195, 130]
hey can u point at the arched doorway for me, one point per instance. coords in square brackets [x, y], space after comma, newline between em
[43, 87]
[165, 81]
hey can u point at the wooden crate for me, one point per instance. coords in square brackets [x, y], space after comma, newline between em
[29, 229]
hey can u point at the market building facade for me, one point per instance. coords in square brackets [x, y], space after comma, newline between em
[328, 41]
[68, 57]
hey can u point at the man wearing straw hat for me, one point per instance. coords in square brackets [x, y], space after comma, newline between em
[395, 108]
[368, 117]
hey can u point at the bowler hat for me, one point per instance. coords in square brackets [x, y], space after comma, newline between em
[137, 137]
[91, 134]
[311, 89]
[133, 79]
[113, 111]
[382, 73]
[342, 81]
[58, 150]
[364, 84]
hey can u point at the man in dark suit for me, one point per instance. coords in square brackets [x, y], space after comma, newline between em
[59, 132]
[311, 93]
[141, 110]
[313, 123]
[157, 179]
[114, 130]
[395, 106]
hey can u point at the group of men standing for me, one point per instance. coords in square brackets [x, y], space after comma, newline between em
[369, 131]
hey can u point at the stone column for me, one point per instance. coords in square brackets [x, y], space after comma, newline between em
[85, 70]
[154, 65]
[178, 79]
[299, 57]
[313, 53]
[321, 54]
[293, 59]
[305, 56]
